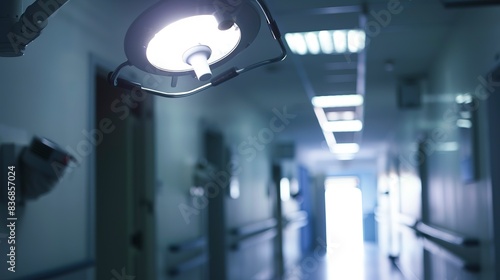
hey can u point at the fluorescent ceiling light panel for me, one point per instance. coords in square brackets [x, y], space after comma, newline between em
[340, 41]
[297, 43]
[341, 116]
[356, 40]
[465, 98]
[327, 41]
[464, 123]
[335, 101]
[343, 126]
[329, 137]
[345, 148]
[312, 43]
[447, 147]
[320, 115]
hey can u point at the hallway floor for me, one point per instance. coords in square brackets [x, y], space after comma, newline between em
[364, 263]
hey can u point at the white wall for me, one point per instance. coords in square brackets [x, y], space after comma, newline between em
[179, 129]
[47, 93]
[469, 52]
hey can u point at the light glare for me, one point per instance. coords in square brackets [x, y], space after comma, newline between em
[297, 43]
[335, 101]
[346, 148]
[325, 41]
[312, 43]
[356, 40]
[465, 98]
[340, 41]
[341, 116]
[464, 123]
[343, 126]
[447, 147]
[165, 51]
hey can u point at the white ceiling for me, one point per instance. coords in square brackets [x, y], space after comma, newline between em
[412, 39]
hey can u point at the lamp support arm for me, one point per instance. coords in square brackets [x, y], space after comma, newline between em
[29, 26]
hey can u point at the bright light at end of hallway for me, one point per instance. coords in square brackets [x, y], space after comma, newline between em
[344, 227]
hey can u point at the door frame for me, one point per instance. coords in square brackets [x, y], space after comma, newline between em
[101, 66]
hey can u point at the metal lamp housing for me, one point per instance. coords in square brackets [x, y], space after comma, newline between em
[166, 12]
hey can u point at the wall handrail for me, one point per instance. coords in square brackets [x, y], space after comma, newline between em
[255, 238]
[198, 243]
[188, 265]
[408, 221]
[296, 220]
[432, 237]
[437, 233]
[439, 250]
[445, 235]
[255, 227]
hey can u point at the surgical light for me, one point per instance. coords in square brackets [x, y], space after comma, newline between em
[177, 38]
[206, 45]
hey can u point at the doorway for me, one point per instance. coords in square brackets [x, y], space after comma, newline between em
[123, 137]
[344, 226]
[344, 212]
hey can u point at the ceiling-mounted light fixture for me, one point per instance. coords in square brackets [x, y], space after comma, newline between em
[337, 101]
[326, 42]
[343, 126]
[345, 148]
[177, 38]
[341, 116]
